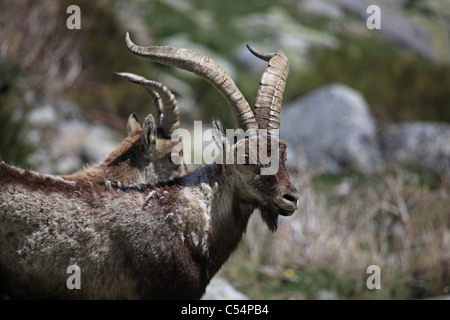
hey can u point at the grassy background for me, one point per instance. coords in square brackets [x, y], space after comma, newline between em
[397, 219]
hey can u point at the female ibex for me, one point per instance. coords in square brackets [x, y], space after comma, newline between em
[145, 155]
[146, 242]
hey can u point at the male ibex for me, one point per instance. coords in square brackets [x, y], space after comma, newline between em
[145, 155]
[147, 242]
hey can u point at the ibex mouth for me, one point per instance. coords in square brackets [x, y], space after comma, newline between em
[287, 204]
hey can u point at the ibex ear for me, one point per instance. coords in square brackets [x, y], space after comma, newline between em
[133, 123]
[149, 134]
[219, 137]
[218, 129]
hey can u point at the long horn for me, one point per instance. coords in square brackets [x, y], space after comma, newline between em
[164, 99]
[270, 92]
[205, 68]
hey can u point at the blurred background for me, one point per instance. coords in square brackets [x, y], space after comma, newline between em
[366, 116]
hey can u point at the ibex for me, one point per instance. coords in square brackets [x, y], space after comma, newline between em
[162, 242]
[145, 155]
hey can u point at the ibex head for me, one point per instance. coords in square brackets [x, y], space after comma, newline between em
[261, 183]
[156, 153]
[273, 192]
[270, 190]
[142, 157]
[156, 138]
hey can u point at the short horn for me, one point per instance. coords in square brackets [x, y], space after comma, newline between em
[269, 96]
[164, 99]
[206, 68]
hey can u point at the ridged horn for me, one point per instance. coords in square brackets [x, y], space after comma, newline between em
[269, 96]
[204, 67]
[164, 99]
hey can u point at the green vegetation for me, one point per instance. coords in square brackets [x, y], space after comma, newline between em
[398, 86]
[14, 148]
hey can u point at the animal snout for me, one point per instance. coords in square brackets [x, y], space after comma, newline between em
[291, 194]
[287, 199]
[291, 197]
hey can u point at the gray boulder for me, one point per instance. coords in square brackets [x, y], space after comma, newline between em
[331, 129]
[423, 143]
[221, 289]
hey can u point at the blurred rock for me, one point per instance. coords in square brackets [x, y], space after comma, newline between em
[332, 129]
[275, 29]
[324, 8]
[327, 295]
[396, 26]
[426, 144]
[64, 141]
[221, 289]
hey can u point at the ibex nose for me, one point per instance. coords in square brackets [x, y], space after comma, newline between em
[291, 194]
[292, 197]
[288, 200]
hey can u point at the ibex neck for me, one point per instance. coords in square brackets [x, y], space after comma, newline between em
[224, 218]
[229, 222]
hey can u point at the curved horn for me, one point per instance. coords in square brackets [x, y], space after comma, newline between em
[205, 68]
[164, 99]
[270, 92]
